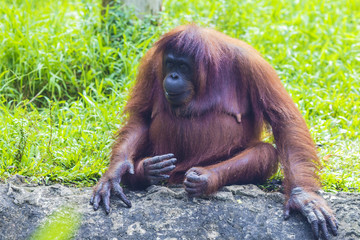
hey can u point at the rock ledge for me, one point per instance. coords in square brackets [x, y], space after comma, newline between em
[235, 212]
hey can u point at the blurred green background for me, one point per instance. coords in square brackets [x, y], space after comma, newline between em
[66, 71]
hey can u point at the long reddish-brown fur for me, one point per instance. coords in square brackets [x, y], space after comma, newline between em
[232, 80]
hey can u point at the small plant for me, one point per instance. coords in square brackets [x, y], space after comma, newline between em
[61, 225]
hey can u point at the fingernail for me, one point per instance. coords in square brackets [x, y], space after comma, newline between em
[127, 202]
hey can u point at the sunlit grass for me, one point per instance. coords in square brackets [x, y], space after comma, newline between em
[65, 73]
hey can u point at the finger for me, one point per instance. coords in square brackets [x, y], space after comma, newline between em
[336, 223]
[151, 161]
[331, 220]
[104, 193]
[106, 200]
[96, 192]
[96, 202]
[157, 159]
[166, 156]
[155, 172]
[315, 229]
[193, 192]
[190, 184]
[308, 212]
[119, 191]
[157, 179]
[162, 164]
[192, 177]
[312, 219]
[105, 196]
[287, 210]
[322, 223]
[131, 168]
[192, 171]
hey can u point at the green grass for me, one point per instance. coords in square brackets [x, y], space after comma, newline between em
[65, 73]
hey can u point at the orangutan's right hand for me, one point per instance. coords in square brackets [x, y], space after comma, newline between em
[110, 181]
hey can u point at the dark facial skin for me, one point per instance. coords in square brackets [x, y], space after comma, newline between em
[179, 76]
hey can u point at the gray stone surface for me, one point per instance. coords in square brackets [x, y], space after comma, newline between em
[236, 212]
